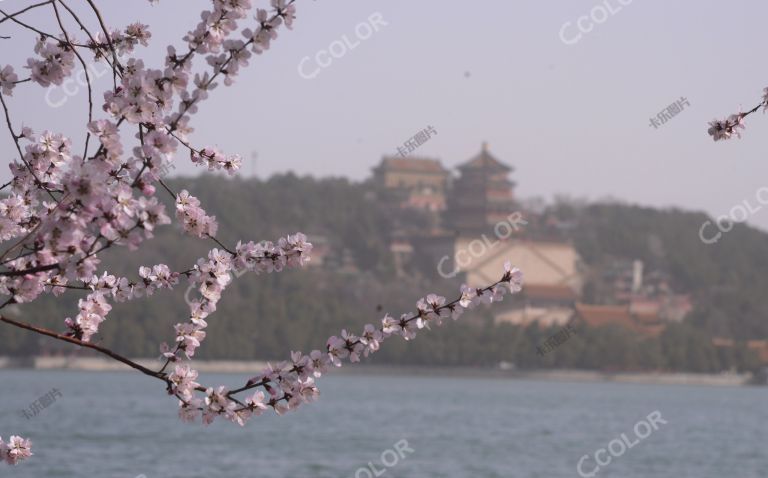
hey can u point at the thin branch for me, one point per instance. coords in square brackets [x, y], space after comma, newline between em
[11, 17]
[450, 305]
[117, 66]
[165, 186]
[87, 77]
[75, 341]
[220, 69]
[31, 270]
[27, 26]
[96, 46]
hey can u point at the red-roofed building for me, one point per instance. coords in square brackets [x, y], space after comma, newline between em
[604, 315]
[760, 347]
[552, 293]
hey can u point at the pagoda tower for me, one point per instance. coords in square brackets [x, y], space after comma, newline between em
[483, 194]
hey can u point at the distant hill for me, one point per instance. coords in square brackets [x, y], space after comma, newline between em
[265, 317]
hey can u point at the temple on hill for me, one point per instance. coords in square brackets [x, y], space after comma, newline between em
[472, 228]
[476, 200]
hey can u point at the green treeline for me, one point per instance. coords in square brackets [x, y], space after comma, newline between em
[267, 316]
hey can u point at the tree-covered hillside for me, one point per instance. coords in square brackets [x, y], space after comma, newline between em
[728, 278]
[264, 317]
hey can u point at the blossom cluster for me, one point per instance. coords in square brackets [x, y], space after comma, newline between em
[57, 59]
[726, 128]
[70, 209]
[211, 276]
[123, 41]
[215, 160]
[287, 385]
[8, 79]
[193, 218]
[16, 450]
[729, 127]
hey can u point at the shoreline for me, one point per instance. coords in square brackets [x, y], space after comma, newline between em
[97, 364]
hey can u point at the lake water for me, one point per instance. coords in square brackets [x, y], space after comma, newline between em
[121, 425]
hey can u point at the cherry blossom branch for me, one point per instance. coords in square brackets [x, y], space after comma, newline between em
[93, 197]
[109, 199]
[94, 45]
[291, 384]
[116, 62]
[18, 147]
[259, 39]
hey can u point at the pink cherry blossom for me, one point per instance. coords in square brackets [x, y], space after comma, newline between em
[8, 80]
[727, 128]
[55, 63]
[16, 450]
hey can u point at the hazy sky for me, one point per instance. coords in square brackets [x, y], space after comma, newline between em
[572, 119]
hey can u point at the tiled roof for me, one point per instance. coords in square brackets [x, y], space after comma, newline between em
[721, 342]
[602, 315]
[554, 292]
[412, 164]
[761, 347]
[485, 160]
